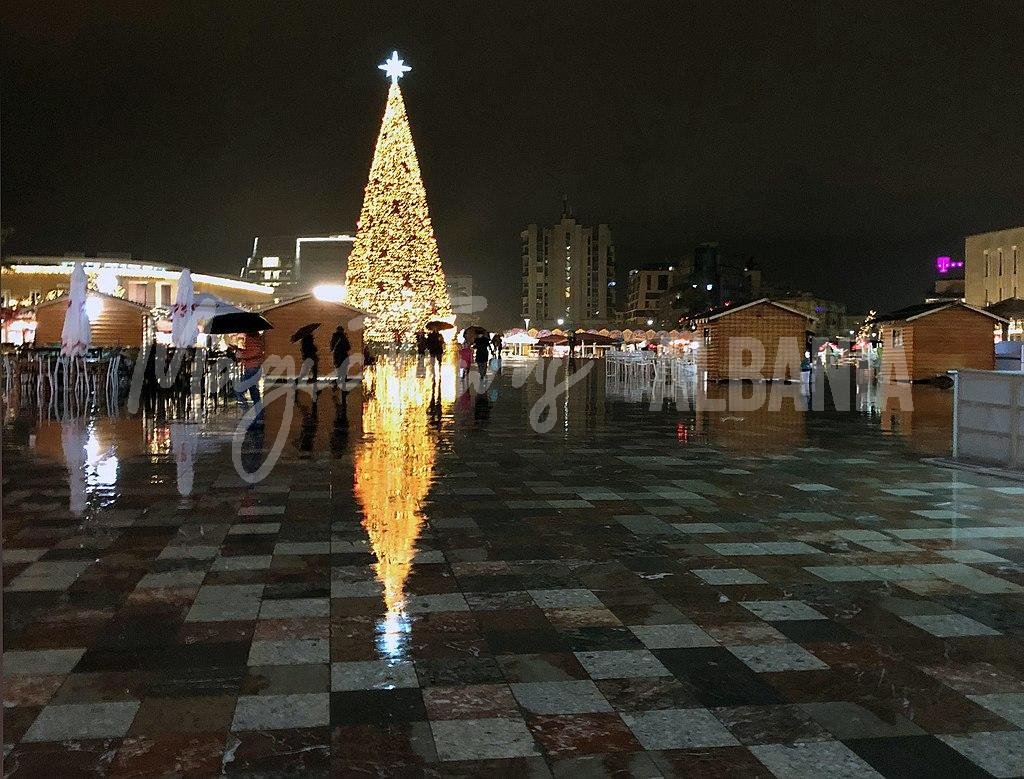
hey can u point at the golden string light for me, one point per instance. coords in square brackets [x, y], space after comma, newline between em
[394, 271]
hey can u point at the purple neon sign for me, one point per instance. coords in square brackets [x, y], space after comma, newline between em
[945, 264]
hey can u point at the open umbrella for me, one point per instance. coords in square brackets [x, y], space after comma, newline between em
[220, 317]
[303, 331]
[75, 336]
[184, 323]
[439, 324]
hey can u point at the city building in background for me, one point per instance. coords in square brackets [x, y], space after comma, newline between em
[644, 292]
[949, 280]
[994, 266]
[568, 274]
[127, 295]
[27, 280]
[830, 319]
[294, 265]
[460, 292]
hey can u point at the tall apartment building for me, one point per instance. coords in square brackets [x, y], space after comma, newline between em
[994, 266]
[568, 274]
[295, 264]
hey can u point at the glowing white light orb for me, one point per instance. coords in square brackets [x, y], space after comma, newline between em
[394, 68]
[329, 293]
[93, 307]
[106, 281]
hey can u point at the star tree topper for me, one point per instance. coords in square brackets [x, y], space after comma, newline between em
[394, 67]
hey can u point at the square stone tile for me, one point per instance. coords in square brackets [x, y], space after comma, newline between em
[621, 664]
[242, 563]
[999, 753]
[566, 697]
[230, 602]
[765, 658]
[40, 662]
[950, 625]
[48, 575]
[82, 721]
[428, 604]
[181, 578]
[1008, 705]
[471, 701]
[848, 720]
[779, 610]
[813, 760]
[569, 735]
[672, 636]
[728, 576]
[290, 652]
[560, 599]
[297, 607]
[678, 729]
[373, 675]
[282, 712]
[482, 739]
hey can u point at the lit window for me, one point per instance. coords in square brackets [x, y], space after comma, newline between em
[897, 338]
[271, 262]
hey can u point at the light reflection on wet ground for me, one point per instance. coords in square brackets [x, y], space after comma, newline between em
[336, 425]
[420, 557]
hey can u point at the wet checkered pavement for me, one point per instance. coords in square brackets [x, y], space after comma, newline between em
[423, 589]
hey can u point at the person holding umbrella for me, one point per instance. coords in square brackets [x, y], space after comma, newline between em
[251, 354]
[308, 352]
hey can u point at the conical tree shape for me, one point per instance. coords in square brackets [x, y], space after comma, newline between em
[394, 270]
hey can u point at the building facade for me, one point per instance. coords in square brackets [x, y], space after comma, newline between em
[645, 289]
[293, 265]
[994, 266]
[27, 280]
[568, 274]
[460, 292]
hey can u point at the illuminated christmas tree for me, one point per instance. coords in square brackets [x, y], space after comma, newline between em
[394, 271]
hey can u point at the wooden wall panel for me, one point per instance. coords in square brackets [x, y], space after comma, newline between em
[289, 316]
[120, 323]
[764, 322]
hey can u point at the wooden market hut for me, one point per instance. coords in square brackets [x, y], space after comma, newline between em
[290, 315]
[119, 322]
[764, 320]
[937, 337]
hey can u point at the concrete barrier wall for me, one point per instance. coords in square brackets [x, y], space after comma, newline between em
[988, 417]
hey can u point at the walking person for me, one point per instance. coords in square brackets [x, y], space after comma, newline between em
[435, 348]
[251, 354]
[310, 358]
[482, 346]
[340, 349]
[497, 347]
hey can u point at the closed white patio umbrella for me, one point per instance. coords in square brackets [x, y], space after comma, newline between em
[184, 322]
[74, 338]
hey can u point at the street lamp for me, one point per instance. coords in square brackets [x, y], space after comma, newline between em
[650, 322]
[560, 321]
[526, 319]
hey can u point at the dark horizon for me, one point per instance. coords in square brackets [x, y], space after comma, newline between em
[844, 148]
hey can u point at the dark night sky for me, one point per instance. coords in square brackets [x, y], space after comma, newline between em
[844, 144]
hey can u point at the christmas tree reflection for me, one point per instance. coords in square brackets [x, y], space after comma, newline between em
[394, 466]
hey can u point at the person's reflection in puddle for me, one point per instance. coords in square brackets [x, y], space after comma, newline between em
[434, 408]
[339, 433]
[307, 427]
[253, 445]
